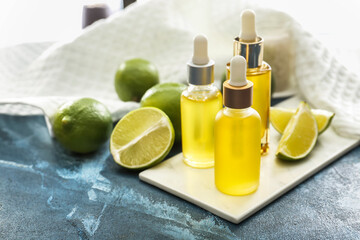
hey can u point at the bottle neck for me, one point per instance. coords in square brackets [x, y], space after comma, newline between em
[253, 52]
[207, 87]
[237, 97]
[236, 110]
[201, 74]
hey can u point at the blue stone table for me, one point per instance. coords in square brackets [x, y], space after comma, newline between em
[48, 193]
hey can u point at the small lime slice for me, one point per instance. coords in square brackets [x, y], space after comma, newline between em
[280, 117]
[300, 135]
[323, 119]
[142, 138]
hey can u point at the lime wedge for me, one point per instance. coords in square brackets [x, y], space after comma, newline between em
[323, 119]
[280, 117]
[300, 135]
[142, 138]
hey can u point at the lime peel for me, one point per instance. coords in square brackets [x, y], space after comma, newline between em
[82, 125]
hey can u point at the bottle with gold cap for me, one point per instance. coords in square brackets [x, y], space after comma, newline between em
[251, 47]
[200, 103]
[237, 135]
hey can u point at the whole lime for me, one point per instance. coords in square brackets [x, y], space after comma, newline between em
[134, 77]
[82, 126]
[166, 96]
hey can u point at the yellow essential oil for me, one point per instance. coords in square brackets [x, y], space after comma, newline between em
[200, 103]
[237, 151]
[261, 78]
[251, 46]
[237, 135]
[199, 106]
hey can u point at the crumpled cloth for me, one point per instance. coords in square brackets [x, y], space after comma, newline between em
[45, 75]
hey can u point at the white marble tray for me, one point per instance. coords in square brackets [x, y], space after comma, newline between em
[277, 177]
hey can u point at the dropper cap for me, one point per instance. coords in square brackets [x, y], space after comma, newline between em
[201, 68]
[200, 55]
[237, 90]
[248, 31]
[238, 72]
[248, 44]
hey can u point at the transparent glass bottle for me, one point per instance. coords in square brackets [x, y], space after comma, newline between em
[237, 135]
[200, 103]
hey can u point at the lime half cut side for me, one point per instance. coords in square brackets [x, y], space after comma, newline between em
[142, 138]
[280, 117]
[300, 135]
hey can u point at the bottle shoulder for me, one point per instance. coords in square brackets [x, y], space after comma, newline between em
[239, 114]
[201, 92]
[265, 66]
[263, 69]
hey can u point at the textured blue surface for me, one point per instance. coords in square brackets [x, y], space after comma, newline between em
[47, 193]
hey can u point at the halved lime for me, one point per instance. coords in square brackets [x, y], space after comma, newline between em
[142, 138]
[300, 135]
[280, 117]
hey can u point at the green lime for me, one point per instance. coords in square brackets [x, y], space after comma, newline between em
[223, 79]
[134, 77]
[142, 138]
[83, 125]
[280, 117]
[166, 96]
[300, 135]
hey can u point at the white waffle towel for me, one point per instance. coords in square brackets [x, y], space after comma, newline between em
[162, 31]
